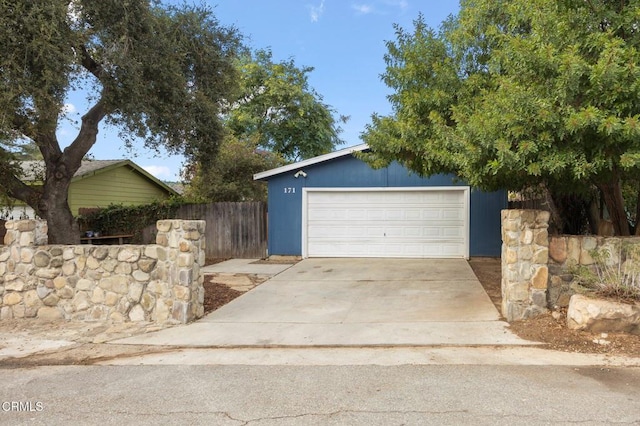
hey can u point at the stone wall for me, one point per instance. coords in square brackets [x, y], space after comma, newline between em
[525, 254]
[160, 282]
[568, 251]
[536, 268]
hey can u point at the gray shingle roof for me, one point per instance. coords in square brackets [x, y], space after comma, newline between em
[34, 170]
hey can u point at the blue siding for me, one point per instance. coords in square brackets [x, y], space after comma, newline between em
[285, 215]
[285, 201]
[485, 238]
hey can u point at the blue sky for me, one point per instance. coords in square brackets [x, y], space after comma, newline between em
[343, 40]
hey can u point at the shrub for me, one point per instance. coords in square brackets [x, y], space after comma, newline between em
[615, 273]
[118, 219]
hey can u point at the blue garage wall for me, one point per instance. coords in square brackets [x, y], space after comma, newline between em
[285, 201]
[485, 238]
[285, 215]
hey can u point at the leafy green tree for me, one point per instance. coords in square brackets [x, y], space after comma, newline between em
[518, 93]
[274, 117]
[276, 103]
[156, 72]
[229, 177]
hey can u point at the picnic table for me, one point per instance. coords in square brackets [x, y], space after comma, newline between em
[106, 239]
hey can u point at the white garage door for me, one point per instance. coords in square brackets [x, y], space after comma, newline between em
[408, 222]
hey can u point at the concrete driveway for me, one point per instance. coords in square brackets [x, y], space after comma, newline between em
[352, 302]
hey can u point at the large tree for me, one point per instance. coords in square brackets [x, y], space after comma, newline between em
[158, 73]
[276, 104]
[275, 116]
[229, 177]
[518, 93]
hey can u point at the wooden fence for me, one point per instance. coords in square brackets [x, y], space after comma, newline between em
[233, 229]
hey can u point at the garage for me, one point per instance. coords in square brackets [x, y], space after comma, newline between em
[392, 222]
[336, 205]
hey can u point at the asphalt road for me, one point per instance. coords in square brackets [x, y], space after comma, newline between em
[316, 395]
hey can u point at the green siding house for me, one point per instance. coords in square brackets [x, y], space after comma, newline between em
[103, 182]
[98, 183]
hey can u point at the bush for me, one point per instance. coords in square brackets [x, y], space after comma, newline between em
[118, 219]
[615, 273]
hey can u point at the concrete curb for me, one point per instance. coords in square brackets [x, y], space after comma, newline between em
[392, 356]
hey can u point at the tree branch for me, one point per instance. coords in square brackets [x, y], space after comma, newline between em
[47, 141]
[23, 125]
[47, 111]
[42, 133]
[92, 65]
[86, 137]
[21, 191]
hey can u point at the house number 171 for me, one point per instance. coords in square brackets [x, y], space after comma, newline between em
[289, 190]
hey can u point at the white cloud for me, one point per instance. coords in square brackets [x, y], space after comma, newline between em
[363, 9]
[69, 108]
[380, 7]
[316, 11]
[161, 172]
[402, 4]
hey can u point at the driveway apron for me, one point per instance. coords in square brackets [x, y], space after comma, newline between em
[352, 302]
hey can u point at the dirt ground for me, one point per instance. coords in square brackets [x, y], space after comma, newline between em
[217, 294]
[554, 331]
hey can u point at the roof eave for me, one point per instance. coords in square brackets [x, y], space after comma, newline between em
[135, 167]
[94, 172]
[310, 161]
[113, 165]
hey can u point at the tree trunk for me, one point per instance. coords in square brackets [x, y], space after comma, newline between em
[593, 215]
[54, 206]
[612, 194]
[61, 166]
[51, 201]
[637, 231]
[557, 223]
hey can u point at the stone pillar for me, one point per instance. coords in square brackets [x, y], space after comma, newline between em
[18, 295]
[525, 254]
[184, 241]
[26, 233]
